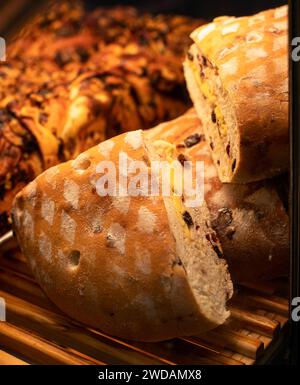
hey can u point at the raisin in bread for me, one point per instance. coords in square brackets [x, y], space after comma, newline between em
[237, 76]
[250, 219]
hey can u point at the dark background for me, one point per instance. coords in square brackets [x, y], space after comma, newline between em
[207, 9]
[15, 13]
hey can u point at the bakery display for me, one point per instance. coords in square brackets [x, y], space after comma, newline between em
[237, 76]
[84, 77]
[87, 90]
[139, 267]
[249, 219]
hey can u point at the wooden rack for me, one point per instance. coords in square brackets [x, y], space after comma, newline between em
[36, 332]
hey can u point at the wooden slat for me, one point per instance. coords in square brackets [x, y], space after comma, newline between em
[30, 291]
[266, 302]
[59, 328]
[224, 356]
[239, 357]
[265, 340]
[186, 352]
[276, 286]
[231, 340]
[8, 359]
[254, 322]
[257, 317]
[37, 349]
[281, 319]
[15, 265]
[261, 287]
[24, 288]
[182, 353]
[245, 360]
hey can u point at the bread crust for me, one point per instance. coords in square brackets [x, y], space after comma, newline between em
[250, 219]
[74, 78]
[250, 59]
[109, 262]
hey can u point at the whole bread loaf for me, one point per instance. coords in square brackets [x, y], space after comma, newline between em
[250, 219]
[140, 267]
[237, 76]
[73, 78]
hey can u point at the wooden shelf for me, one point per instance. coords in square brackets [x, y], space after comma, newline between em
[37, 332]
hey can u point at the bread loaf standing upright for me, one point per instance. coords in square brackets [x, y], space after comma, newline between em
[249, 219]
[237, 77]
[138, 267]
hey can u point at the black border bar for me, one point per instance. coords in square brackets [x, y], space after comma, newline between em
[294, 102]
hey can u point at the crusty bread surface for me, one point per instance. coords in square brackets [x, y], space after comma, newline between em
[74, 78]
[121, 264]
[237, 77]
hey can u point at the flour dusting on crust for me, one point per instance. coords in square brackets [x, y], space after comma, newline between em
[45, 246]
[71, 193]
[47, 209]
[116, 237]
[146, 220]
[67, 227]
[134, 139]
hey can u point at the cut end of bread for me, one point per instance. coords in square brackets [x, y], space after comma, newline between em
[213, 108]
[202, 258]
[237, 76]
[198, 249]
[138, 267]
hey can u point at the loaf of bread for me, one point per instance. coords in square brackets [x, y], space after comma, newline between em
[74, 78]
[237, 77]
[249, 219]
[139, 267]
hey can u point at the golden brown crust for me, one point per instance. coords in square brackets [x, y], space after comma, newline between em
[250, 60]
[84, 77]
[110, 262]
[250, 219]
